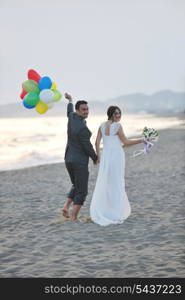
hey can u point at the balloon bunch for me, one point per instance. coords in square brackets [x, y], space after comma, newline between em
[39, 92]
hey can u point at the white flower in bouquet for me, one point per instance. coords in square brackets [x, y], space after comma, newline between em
[150, 134]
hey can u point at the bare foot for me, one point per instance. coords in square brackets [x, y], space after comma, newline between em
[75, 219]
[65, 212]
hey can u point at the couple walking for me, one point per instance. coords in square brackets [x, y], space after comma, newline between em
[109, 204]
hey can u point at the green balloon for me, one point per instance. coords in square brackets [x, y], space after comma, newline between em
[32, 98]
[30, 86]
[57, 95]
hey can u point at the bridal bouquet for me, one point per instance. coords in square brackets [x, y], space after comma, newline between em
[149, 134]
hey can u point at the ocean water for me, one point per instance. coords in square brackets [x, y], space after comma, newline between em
[26, 142]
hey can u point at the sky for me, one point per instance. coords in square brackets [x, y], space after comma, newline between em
[93, 49]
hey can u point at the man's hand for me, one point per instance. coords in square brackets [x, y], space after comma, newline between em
[68, 97]
[97, 161]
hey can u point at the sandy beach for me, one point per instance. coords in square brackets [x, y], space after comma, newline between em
[36, 242]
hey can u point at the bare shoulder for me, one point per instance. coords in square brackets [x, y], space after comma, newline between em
[102, 125]
[119, 125]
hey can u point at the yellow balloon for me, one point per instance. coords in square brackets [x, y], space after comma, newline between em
[54, 86]
[41, 107]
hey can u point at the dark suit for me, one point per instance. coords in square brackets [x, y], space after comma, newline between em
[78, 151]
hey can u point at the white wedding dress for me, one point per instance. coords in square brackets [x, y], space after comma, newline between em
[109, 203]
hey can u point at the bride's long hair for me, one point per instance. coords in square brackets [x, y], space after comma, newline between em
[111, 110]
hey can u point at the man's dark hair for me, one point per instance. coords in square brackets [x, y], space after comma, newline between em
[111, 110]
[78, 103]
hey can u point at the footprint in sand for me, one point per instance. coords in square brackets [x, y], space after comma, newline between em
[85, 219]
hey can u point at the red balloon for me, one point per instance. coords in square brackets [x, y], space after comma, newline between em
[33, 75]
[23, 93]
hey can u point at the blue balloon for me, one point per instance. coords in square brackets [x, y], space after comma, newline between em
[27, 105]
[45, 83]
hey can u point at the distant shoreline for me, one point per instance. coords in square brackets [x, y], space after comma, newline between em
[179, 114]
[181, 117]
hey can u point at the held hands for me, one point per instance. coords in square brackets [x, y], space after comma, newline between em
[97, 161]
[68, 97]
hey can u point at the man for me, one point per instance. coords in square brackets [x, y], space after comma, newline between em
[78, 151]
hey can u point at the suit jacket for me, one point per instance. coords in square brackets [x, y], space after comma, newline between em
[79, 147]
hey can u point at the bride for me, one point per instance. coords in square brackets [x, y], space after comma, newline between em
[109, 203]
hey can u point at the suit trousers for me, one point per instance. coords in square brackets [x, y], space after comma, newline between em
[79, 176]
